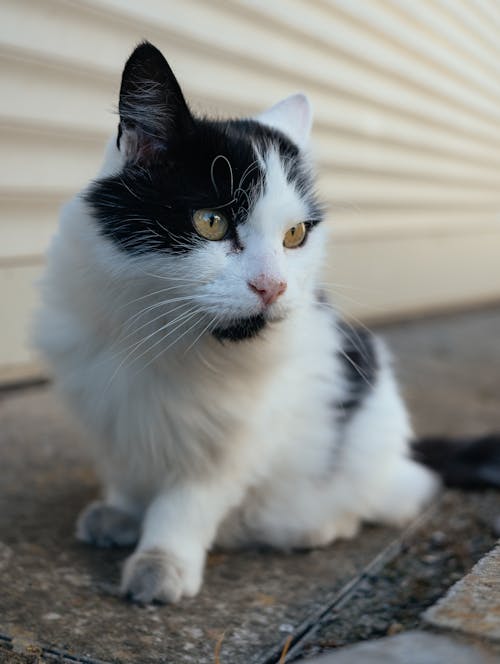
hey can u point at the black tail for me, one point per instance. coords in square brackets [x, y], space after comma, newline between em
[472, 463]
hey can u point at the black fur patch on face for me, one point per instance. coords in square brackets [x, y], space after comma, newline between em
[360, 363]
[176, 163]
[244, 328]
[148, 208]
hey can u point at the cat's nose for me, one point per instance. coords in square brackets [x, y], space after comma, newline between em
[267, 288]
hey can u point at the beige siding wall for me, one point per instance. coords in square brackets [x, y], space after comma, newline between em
[407, 134]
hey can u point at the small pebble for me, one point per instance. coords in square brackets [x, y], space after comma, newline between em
[51, 616]
[380, 625]
[438, 538]
[431, 558]
[394, 628]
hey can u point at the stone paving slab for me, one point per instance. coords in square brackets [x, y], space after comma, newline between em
[60, 594]
[472, 605]
[451, 539]
[413, 647]
[449, 369]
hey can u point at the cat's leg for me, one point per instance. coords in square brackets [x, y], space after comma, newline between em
[178, 528]
[299, 513]
[371, 478]
[408, 489]
[112, 522]
[236, 534]
[385, 484]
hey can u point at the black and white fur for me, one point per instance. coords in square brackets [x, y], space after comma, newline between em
[215, 418]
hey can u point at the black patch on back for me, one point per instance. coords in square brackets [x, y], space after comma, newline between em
[245, 328]
[360, 365]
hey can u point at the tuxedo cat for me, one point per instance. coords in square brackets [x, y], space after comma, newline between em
[224, 401]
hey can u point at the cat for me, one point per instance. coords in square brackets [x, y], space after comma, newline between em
[224, 401]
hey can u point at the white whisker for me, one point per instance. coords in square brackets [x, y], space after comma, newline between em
[150, 322]
[183, 318]
[200, 335]
[163, 303]
[356, 367]
[212, 167]
[164, 350]
[142, 297]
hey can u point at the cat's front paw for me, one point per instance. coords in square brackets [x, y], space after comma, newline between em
[107, 526]
[158, 575]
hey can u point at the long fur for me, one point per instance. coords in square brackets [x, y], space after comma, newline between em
[208, 427]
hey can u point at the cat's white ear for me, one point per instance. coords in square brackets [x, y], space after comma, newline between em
[292, 116]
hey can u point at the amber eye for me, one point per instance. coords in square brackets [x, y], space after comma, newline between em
[295, 236]
[210, 224]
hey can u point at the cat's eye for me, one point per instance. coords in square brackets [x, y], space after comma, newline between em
[295, 236]
[210, 224]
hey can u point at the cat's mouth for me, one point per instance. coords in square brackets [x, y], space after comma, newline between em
[239, 329]
[246, 327]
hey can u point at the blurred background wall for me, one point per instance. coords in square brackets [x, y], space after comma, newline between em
[407, 133]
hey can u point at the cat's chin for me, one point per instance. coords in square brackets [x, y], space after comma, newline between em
[241, 328]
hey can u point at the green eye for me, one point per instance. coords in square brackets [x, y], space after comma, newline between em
[210, 224]
[295, 236]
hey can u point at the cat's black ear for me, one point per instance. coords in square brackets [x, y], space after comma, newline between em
[153, 111]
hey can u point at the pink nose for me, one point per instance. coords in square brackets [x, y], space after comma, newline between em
[267, 289]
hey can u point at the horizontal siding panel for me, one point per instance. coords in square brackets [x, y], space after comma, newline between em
[327, 30]
[401, 275]
[359, 188]
[18, 298]
[350, 222]
[39, 95]
[339, 151]
[362, 46]
[427, 30]
[466, 14]
[45, 162]
[30, 225]
[290, 59]
[490, 11]
[82, 105]
[35, 162]
[441, 36]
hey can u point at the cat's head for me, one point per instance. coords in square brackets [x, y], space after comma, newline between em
[224, 209]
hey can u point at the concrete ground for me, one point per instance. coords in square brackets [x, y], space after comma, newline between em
[58, 598]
